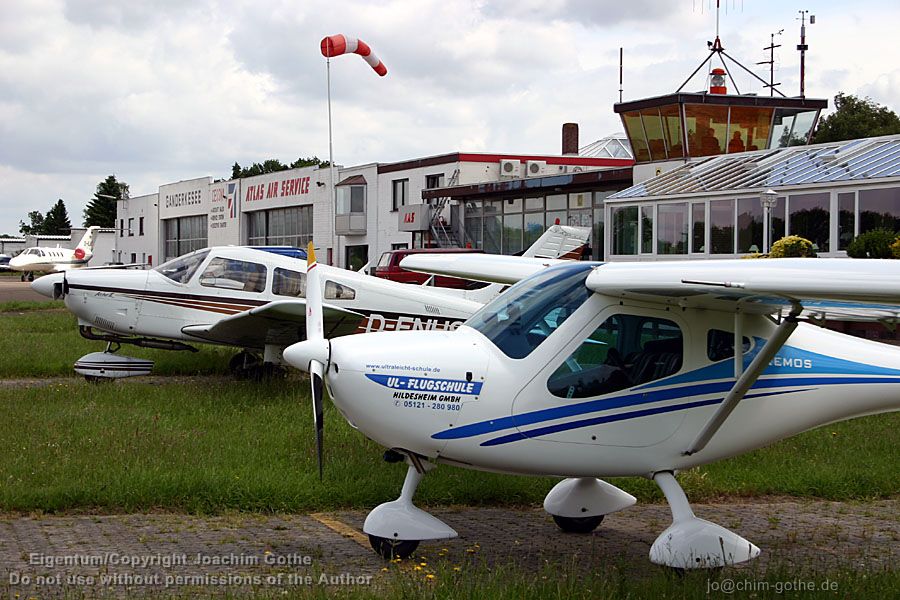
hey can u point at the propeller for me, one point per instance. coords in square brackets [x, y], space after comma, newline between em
[315, 334]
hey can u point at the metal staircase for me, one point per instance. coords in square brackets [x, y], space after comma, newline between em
[441, 233]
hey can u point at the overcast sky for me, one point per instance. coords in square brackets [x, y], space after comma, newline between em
[156, 91]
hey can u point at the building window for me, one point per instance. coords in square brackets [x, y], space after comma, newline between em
[721, 226]
[356, 257]
[121, 227]
[749, 224]
[434, 181]
[131, 227]
[133, 257]
[473, 224]
[141, 226]
[647, 229]
[291, 226]
[672, 229]
[698, 227]
[625, 230]
[351, 199]
[846, 219]
[512, 234]
[184, 234]
[399, 193]
[810, 217]
[878, 209]
[493, 227]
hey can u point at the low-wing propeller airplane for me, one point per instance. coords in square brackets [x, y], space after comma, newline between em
[589, 370]
[48, 260]
[254, 299]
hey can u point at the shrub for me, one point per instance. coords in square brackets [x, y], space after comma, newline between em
[792, 246]
[877, 243]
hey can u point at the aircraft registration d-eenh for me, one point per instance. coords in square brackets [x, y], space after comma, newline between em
[589, 370]
[253, 298]
[44, 259]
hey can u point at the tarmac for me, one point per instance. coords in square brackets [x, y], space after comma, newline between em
[11, 288]
[186, 554]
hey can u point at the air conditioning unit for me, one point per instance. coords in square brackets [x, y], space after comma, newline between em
[509, 169]
[535, 168]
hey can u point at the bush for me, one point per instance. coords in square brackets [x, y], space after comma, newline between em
[792, 246]
[877, 243]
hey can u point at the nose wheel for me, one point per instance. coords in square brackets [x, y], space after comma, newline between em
[391, 549]
[578, 524]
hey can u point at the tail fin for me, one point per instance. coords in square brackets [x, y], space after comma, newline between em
[87, 242]
[560, 241]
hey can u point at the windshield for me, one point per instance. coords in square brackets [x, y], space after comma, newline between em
[180, 269]
[521, 318]
[385, 259]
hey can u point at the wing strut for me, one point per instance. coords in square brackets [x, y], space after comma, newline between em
[747, 378]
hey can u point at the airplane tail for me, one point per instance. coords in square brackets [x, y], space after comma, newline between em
[559, 241]
[85, 248]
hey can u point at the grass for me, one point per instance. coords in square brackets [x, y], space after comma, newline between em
[220, 445]
[29, 305]
[35, 342]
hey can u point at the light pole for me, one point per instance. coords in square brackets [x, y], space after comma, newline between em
[768, 199]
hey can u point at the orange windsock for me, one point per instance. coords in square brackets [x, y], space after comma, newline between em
[335, 45]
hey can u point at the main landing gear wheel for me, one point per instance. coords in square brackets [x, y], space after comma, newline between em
[578, 524]
[391, 549]
[243, 364]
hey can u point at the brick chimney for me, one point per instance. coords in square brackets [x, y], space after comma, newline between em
[570, 139]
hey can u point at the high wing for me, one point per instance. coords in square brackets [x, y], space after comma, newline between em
[836, 288]
[492, 268]
[281, 322]
[557, 244]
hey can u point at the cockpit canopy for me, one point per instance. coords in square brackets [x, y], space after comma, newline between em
[182, 268]
[521, 318]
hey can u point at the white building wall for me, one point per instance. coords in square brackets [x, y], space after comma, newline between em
[144, 246]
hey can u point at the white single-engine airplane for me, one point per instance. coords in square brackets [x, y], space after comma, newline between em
[44, 259]
[253, 298]
[589, 370]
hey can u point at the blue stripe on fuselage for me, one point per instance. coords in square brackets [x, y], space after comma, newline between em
[643, 397]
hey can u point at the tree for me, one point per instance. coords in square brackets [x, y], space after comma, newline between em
[35, 225]
[273, 165]
[56, 221]
[101, 210]
[856, 118]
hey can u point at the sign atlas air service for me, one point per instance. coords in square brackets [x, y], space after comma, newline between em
[184, 199]
[224, 207]
[284, 188]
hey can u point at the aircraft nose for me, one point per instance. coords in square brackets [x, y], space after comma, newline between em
[44, 285]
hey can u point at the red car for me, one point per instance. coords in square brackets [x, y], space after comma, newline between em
[389, 268]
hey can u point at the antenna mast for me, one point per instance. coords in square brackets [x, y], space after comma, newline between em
[803, 47]
[717, 48]
[771, 62]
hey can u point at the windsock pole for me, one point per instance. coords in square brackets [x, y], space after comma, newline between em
[331, 163]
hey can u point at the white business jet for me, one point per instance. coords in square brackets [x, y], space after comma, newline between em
[589, 370]
[44, 259]
[253, 298]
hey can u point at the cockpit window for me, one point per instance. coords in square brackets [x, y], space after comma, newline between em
[338, 291]
[182, 268]
[520, 319]
[624, 351]
[289, 283]
[233, 274]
